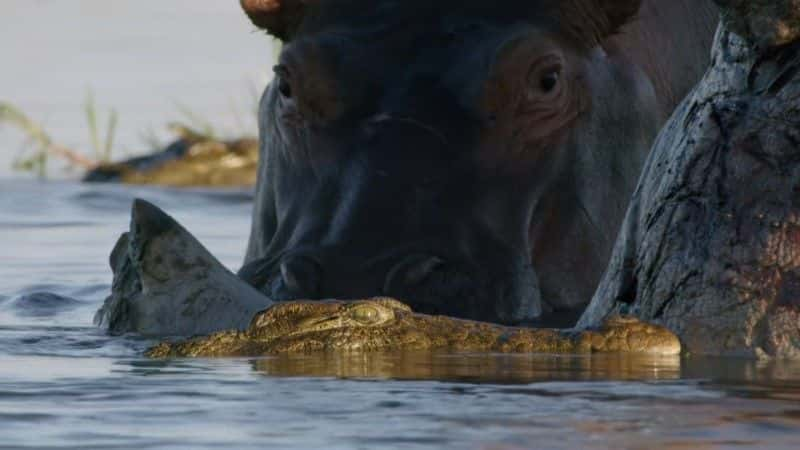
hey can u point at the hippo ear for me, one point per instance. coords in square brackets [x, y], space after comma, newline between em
[595, 20]
[619, 12]
[279, 17]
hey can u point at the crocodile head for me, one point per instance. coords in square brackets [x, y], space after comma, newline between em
[387, 324]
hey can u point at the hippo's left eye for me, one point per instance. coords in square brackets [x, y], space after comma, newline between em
[282, 79]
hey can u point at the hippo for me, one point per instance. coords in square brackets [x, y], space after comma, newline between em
[473, 159]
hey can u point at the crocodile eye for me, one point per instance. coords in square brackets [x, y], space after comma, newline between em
[366, 314]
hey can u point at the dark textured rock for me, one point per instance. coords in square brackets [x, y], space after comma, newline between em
[710, 246]
[764, 23]
[167, 284]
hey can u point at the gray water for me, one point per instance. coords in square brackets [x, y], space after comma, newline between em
[65, 384]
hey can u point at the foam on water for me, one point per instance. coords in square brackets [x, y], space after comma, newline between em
[65, 384]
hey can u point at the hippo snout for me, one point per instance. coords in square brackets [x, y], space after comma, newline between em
[411, 271]
[427, 282]
[301, 276]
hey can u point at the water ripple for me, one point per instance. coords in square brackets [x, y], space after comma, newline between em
[66, 384]
[42, 304]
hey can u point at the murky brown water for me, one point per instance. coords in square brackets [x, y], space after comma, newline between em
[64, 384]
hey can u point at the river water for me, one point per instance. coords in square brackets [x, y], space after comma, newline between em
[65, 384]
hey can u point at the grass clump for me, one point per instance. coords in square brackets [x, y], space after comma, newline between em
[38, 146]
[102, 147]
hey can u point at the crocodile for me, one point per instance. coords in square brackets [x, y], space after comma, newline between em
[386, 324]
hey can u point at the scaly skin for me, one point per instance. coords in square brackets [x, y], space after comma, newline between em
[386, 324]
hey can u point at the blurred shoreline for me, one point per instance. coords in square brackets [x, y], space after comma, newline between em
[146, 60]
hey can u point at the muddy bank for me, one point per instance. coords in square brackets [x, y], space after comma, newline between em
[193, 160]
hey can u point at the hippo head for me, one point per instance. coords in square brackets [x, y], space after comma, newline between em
[468, 158]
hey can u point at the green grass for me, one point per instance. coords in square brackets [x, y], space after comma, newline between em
[103, 147]
[39, 147]
[35, 151]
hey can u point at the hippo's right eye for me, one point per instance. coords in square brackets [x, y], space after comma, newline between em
[545, 78]
[549, 81]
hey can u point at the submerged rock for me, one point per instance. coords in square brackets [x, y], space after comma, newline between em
[167, 284]
[710, 247]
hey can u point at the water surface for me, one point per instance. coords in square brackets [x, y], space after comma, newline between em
[64, 384]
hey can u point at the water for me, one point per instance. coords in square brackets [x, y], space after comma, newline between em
[64, 384]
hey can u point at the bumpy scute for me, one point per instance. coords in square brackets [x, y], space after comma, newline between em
[387, 324]
[630, 335]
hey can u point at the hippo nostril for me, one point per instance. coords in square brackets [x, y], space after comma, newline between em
[302, 276]
[411, 271]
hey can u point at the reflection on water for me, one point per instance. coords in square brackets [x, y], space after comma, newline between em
[65, 384]
[474, 368]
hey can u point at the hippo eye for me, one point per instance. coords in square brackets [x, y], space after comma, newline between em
[285, 88]
[549, 81]
[282, 76]
[365, 314]
[545, 78]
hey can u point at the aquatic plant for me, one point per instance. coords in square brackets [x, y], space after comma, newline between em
[195, 121]
[102, 148]
[38, 145]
